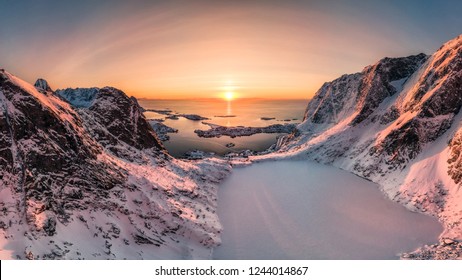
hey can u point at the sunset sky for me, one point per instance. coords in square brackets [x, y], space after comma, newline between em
[194, 49]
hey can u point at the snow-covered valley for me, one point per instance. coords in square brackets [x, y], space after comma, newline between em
[305, 210]
[396, 123]
[83, 175]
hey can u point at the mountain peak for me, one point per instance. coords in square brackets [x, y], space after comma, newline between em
[113, 108]
[42, 84]
[66, 169]
[397, 123]
[452, 44]
[457, 39]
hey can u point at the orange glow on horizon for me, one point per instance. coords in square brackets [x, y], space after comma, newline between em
[186, 52]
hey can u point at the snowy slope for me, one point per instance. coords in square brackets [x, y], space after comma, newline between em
[94, 182]
[114, 120]
[79, 97]
[397, 123]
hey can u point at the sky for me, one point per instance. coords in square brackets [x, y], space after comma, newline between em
[203, 49]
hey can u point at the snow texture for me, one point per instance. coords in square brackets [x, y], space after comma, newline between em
[304, 210]
[397, 123]
[91, 180]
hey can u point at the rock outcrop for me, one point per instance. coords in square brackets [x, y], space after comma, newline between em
[89, 178]
[397, 123]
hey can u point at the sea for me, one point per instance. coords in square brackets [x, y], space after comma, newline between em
[238, 112]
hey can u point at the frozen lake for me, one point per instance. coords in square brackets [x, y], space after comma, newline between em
[304, 210]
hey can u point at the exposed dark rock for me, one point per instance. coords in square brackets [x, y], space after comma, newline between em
[391, 115]
[72, 166]
[392, 124]
[362, 92]
[40, 140]
[112, 117]
[193, 117]
[50, 226]
[42, 84]
[172, 117]
[447, 249]
[162, 130]
[218, 130]
[375, 85]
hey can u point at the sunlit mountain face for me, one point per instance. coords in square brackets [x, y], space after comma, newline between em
[230, 129]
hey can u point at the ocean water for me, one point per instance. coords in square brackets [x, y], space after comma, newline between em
[244, 112]
[305, 210]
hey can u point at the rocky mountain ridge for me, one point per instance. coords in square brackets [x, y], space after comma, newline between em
[397, 123]
[95, 182]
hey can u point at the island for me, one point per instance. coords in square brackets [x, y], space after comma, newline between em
[238, 131]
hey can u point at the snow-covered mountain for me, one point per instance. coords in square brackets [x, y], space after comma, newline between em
[397, 123]
[88, 178]
[83, 174]
[114, 120]
[42, 85]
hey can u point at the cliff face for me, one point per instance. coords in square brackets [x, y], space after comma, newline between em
[94, 181]
[397, 123]
[114, 120]
[361, 93]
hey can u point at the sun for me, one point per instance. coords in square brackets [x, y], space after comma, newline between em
[229, 95]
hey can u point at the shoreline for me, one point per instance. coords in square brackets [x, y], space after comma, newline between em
[446, 248]
[376, 191]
